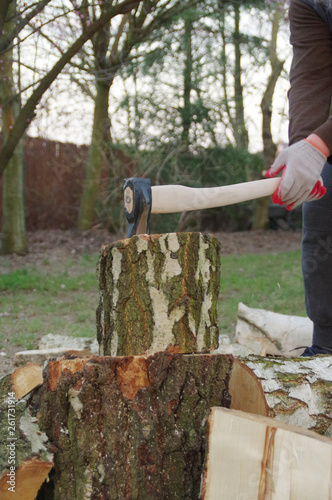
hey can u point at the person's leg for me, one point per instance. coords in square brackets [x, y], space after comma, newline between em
[317, 265]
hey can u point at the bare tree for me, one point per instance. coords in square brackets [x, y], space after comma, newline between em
[112, 48]
[13, 21]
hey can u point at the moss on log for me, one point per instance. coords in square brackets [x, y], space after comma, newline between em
[296, 391]
[159, 292]
[131, 427]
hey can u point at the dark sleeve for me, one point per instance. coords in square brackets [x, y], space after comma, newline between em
[310, 76]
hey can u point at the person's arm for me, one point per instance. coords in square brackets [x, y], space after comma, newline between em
[310, 76]
[310, 129]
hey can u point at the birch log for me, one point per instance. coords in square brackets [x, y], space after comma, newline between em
[25, 460]
[267, 332]
[293, 390]
[254, 458]
[159, 292]
[131, 427]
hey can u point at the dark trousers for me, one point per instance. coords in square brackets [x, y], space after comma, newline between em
[317, 262]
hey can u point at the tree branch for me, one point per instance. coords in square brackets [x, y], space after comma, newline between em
[6, 41]
[27, 112]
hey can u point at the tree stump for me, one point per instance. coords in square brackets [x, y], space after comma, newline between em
[159, 292]
[131, 427]
[136, 426]
[296, 391]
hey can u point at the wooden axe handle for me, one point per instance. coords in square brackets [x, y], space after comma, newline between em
[174, 198]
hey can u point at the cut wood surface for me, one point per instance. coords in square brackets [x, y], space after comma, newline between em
[25, 460]
[293, 390]
[131, 427]
[257, 458]
[159, 292]
[26, 378]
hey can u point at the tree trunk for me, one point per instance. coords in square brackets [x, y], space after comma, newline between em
[100, 138]
[159, 292]
[187, 75]
[261, 216]
[296, 391]
[240, 132]
[131, 427]
[13, 229]
[259, 458]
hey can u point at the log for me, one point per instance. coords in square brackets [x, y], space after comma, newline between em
[254, 458]
[136, 426]
[25, 379]
[293, 390]
[131, 427]
[159, 292]
[267, 332]
[25, 460]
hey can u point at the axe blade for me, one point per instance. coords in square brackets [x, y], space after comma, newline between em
[137, 200]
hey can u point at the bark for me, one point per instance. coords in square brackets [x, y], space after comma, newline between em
[263, 459]
[25, 460]
[13, 238]
[295, 391]
[136, 426]
[131, 427]
[159, 292]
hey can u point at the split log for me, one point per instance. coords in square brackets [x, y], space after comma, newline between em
[159, 292]
[293, 390]
[25, 460]
[267, 332]
[131, 427]
[24, 379]
[252, 457]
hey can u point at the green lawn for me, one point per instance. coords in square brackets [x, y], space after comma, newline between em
[62, 299]
[271, 281]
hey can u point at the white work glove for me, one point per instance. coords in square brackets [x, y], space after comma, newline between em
[302, 164]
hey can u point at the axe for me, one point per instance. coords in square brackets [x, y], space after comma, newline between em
[140, 199]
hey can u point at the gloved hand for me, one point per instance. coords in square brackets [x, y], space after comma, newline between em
[302, 164]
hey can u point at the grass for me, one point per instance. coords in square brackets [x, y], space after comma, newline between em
[58, 299]
[62, 299]
[271, 281]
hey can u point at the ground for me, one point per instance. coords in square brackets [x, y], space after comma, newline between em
[54, 247]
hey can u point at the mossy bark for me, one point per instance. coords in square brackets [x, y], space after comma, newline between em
[159, 292]
[295, 391]
[131, 427]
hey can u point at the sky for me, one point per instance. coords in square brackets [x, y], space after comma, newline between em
[67, 116]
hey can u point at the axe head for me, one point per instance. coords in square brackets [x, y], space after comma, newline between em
[137, 204]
